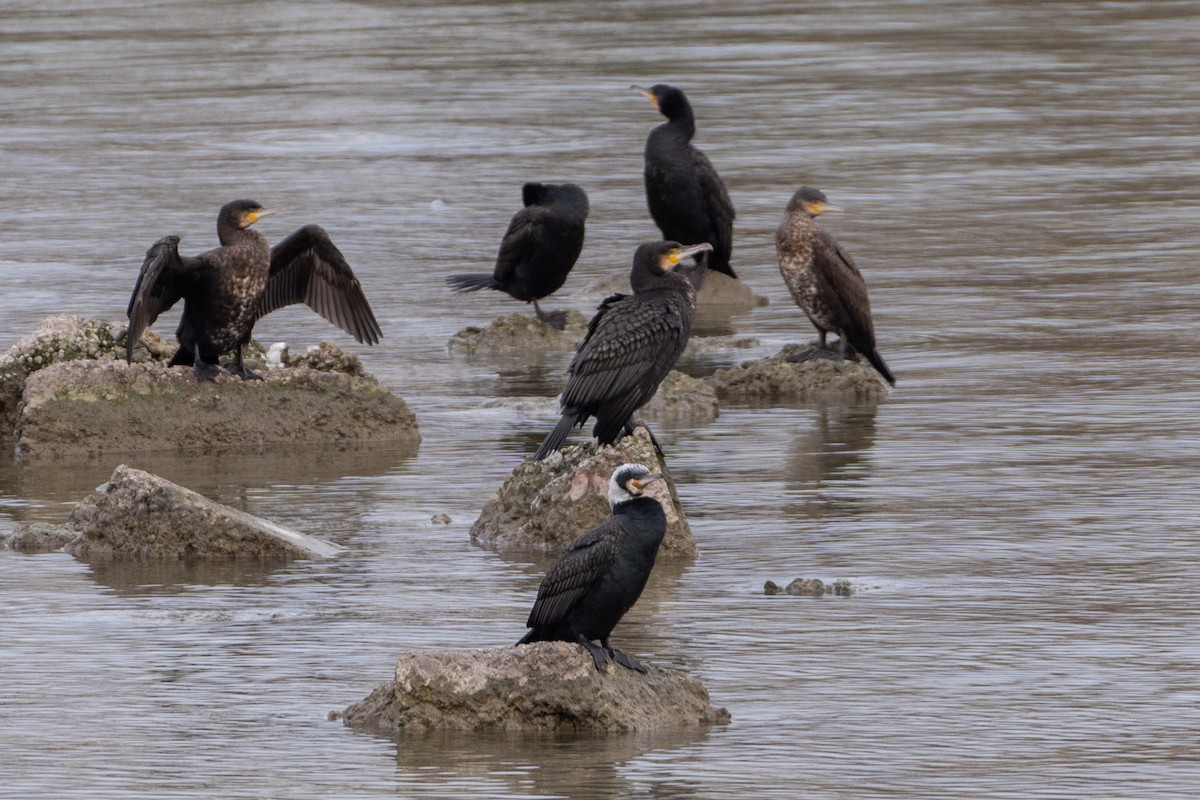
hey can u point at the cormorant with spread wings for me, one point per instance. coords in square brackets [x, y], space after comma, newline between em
[225, 291]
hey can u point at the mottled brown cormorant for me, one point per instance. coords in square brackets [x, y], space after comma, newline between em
[226, 290]
[600, 575]
[823, 280]
[631, 345]
[687, 198]
[541, 245]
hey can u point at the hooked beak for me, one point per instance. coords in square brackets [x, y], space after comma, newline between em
[818, 208]
[255, 216]
[642, 483]
[680, 253]
[649, 95]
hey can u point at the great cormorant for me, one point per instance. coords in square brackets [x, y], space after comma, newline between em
[226, 290]
[600, 575]
[823, 280]
[687, 198]
[631, 345]
[539, 248]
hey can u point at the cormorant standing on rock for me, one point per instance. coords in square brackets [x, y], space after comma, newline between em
[823, 280]
[687, 198]
[630, 346]
[541, 245]
[600, 575]
[226, 290]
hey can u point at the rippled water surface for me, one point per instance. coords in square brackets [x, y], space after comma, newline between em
[1019, 516]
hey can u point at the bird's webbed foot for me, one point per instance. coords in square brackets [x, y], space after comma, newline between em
[205, 371]
[633, 424]
[242, 371]
[622, 658]
[815, 352]
[555, 319]
[600, 656]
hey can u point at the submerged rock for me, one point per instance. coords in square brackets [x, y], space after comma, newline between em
[545, 686]
[520, 334]
[81, 407]
[142, 515]
[777, 378]
[38, 537]
[546, 504]
[810, 587]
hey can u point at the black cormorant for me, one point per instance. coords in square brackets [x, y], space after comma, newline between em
[823, 280]
[630, 346]
[226, 290]
[539, 248]
[687, 198]
[599, 576]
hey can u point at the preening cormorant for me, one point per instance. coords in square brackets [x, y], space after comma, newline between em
[630, 346]
[600, 575]
[687, 198]
[539, 248]
[226, 290]
[823, 280]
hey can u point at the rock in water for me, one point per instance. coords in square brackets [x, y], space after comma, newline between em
[546, 504]
[520, 334]
[545, 686]
[81, 407]
[778, 378]
[142, 515]
[718, 289]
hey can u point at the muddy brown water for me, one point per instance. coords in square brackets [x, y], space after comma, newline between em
[1019, 516]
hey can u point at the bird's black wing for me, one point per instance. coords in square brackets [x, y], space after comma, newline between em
[717, 206]
[629, 345]
[573, 573]
[845, 290]
[307, 267]
[518, 243]
[163, 280]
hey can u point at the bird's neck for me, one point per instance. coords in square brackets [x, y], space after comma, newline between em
[681, 126]
[231, 235]
[642, 508]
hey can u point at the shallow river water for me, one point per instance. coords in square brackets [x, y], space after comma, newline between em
[1019, 516]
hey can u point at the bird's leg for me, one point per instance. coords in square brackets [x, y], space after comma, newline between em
[204, 370]
[555, 319]
[622, 658]
[632, 424]
[821, 334]
[600, 656]
[239, 367]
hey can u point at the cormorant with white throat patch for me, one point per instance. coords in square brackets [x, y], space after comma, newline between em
[631, 345]
[225, 291]
[600, 575]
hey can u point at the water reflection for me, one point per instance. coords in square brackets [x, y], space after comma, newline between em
[133, 578]
[833, 448]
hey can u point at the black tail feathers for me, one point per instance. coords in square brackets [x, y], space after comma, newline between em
[556, 437]
[471, 281]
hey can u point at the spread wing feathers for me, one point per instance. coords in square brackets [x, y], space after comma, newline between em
[717, 205]
[518, 244]
[574, 572]
[307, 267]
[629, 344]
[164, 278]
[845, 291]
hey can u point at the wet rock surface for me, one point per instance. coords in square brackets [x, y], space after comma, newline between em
[682, 397]
[810, 587]
[82, 407]
[719, 289]
[140, 515]
[520, 334]
[38, 537]
[544, 686]
[779, 378]
[546, 504]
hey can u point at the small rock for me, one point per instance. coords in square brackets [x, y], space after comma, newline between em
[810, 587]
[328, 357]
[544, 686]
[39, 537]
[440, 519]
[771, 587]
[546, 504]
[277, 355]
[806, 587]
[142, 515]
[841, 588]
[682, 397]
[719, 289]
[776, 378]
[520, 334]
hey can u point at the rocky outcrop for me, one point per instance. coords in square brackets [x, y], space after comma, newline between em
[82, 407]
[38, 537]
[520, 334]
[778, 377]
[141, 515]
[680, 397]
[546, 504]
[810, 587]
[545, 686]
